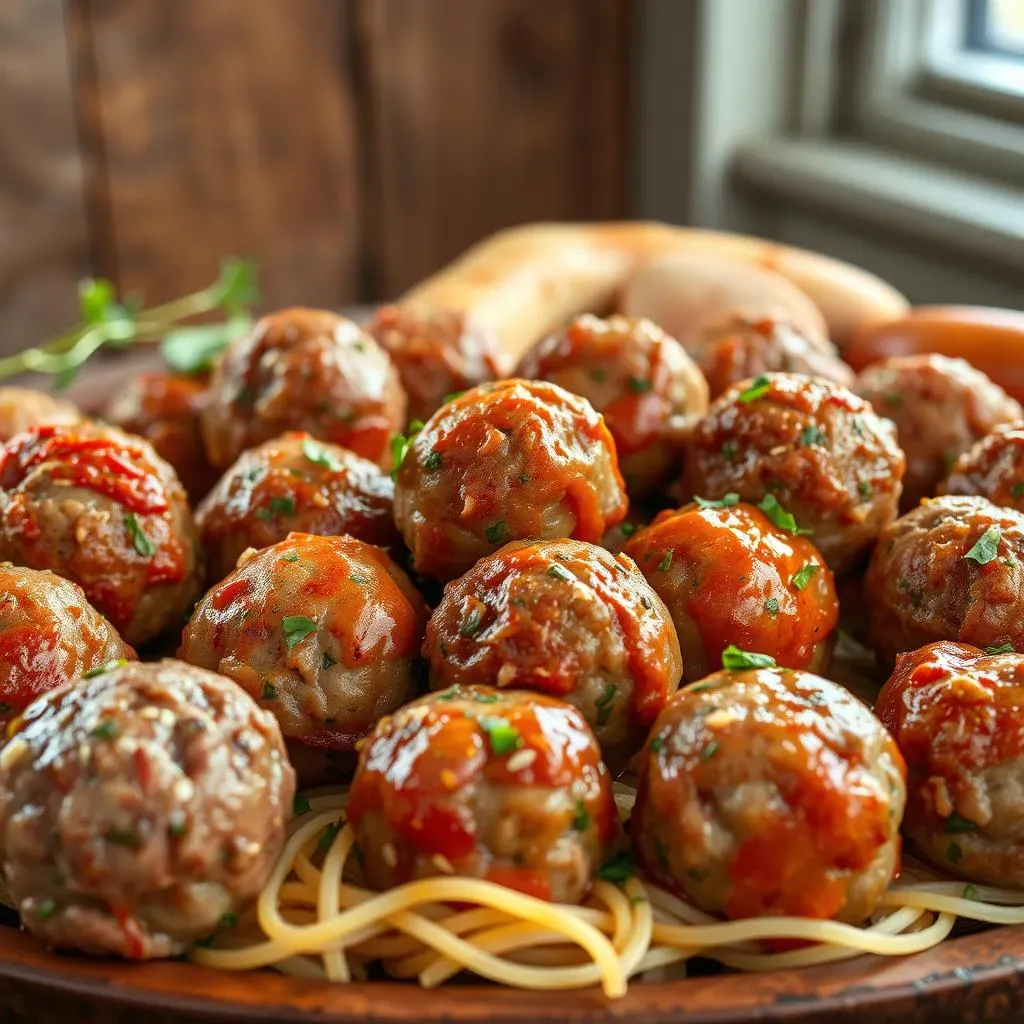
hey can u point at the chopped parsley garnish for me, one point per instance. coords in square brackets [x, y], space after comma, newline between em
[319, 455]
[229, 920]
[646, 602]
[282, 506]
[471, 623]
[433, 460]
[485, 698]
[1017, 490]
[804, 575]
[290, 557]
[123, 837]
[359, 579]
[45, 910]
[638, 385]
[730, 449]
[735, 660]
[604, 703]
[954, 854]
[701, 687]
[616, 869]
[559, 572]
[986, 548]
[970, 892]
[628, 529]
[326, 840]
[709, 750]
[269, 691]
[100, 669]
[599, 375]
[666, 561]
[812, 434]
[725, 502]
[496, 532]
[656, 744]
[106, 730]
[758, 389]
[581, 819]
[771, 606]
[864, 488]
[955, 824]
[1001, 649]
[503, 736]
[300, 805]
[140, 541]
[784, 520]
[296, 629]
[327, 661]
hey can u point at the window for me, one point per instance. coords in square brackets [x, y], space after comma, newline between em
[995, 27]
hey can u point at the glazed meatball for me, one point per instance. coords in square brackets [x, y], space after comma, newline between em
[322, 631]
[564, 618]
[294, 484]
[516, 460]
[23, 408]
[993, 468]
[140, 807]
[49, 633]
[648, 389]
[495, 784]
[437, 353]
[950, 570]
[744, 349]
[165, 408]
[728, 575]
[303, 369]
[817, 448]
[940, 406]
[101, 508]
[770, 791]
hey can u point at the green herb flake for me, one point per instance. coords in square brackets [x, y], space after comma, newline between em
[954, 854]
[106, 730]
[784, 520]
[496, 532]
[599, 375]
[657, 744]
[326, 661]
[813, 435]
[123, 837]
[727, 501]
[956, 824]
[502, 736]
[617, 869]
[292, 557]
[581, 819]
[970, 892]
[296, 629]
[864, 488]
[1017, 490]
[358, 579]
[559, 572]
[708, 751]
[771, 606]
[638, 385]
[282, 506]
[399, 449]
[300, 805]
[433, 460]
[485, 698]
[760, 387]
[471, 623]
[320, 456]
[804, 575]
[100, 669]
[326, 840]
[45, 910]
[142, 544]
[647, 603]
[269, 691]
[604, 703]
[730, 449]
[987, 547]
[628, 529]
[735, 660]
[666, 561]
[1001, 649]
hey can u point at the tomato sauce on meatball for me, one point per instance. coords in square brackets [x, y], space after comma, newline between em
[515, 460]
[24, 408]
[992, 468]
[770, 791]
[496, 784]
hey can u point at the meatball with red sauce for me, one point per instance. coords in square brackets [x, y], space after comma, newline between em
[165, 408]
[992, 468]
[324, 632]
[49, 634]
[495, 784]
[815, 448]
[769, 792]
[743, 349]
[140, 808]
[102, 509]
[728, 575]
[640, 379]
[437, 353]
[294, 484]
[564, 618]
[957, 714]
[940, 406]
[516, 460]
[304, 369]
[24, 408]
[952, 569]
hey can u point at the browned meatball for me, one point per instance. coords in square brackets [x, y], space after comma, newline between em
[564, 618]
[22, 408]
[139, 808]
[949, 570]
[304, 369]
[993, 468]
[101, 508]
[516, 460]
[165, 408]
[496, 784]
[640, 379]
[49, 633]
[293, 484]
[437, 353]
[743, 349]
[324, 631]
[815, 447]
[770, 791]
[940, 406]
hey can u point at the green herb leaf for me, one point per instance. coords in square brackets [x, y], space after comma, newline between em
[804, 575]
[730, 449]
[617, 869]
[726, 502]
[290, 557]
[296, 629]
[236, 287]
[100, 669]
[986, 548]
[954, 854]
[771, 507]
[970, 892]
[628, 529]
[327, 837]
[666, 561]
[496, 532]
[736, 660]
[192, 350]
[471, 623]
[771, 606]
[327, 661]
[503, 737]
[559, 572]
[813, 435]
[399, 449]
[638, 385]
[280, 506]
[581, 819]
[1017, 490]
[320, 456]
[604, 703]
[269, 691]
[45, 910]
[955, 824]
[758, 389]
[1001, 649]
[142, 544]
[106, 730]
[300, 805]
[708, 751]
[433, 460]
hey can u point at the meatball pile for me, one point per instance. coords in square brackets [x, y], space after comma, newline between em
[992, 468]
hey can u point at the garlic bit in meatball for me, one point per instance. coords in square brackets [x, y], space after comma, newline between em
[437, 353]
[496, 784]
[640, 379]
[815, 447]
[49, 634]
[567, 619]
[768, 791]
[952, 569]
[325, 632]
[729, 574]
[516, 460]
[140, 808]
[294, 484]
[24, 408]
[940, 406]
[304, 369]
[102, 509]
[957, 714]
[992, 468]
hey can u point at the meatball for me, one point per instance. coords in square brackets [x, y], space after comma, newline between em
[993, 468]
[496, 784]
[139, 807]
[815, 447]
[957, 714]
[322, 631]
[940, 406]
[564, 618]
[437, 353]
[742, 349]
[294, 485]
[303, 369]
[950, 570]
[770, 791]
[165, 408]
[23, 408]
[49, 633]
[640, 379]
[102, 509]
[730, 576]
[516, 460]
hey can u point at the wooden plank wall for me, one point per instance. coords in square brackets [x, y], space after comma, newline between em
[351, 146]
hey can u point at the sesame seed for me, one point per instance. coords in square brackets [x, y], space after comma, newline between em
[721, 717]
[387, 852]
[506, 674]
[521, 759]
